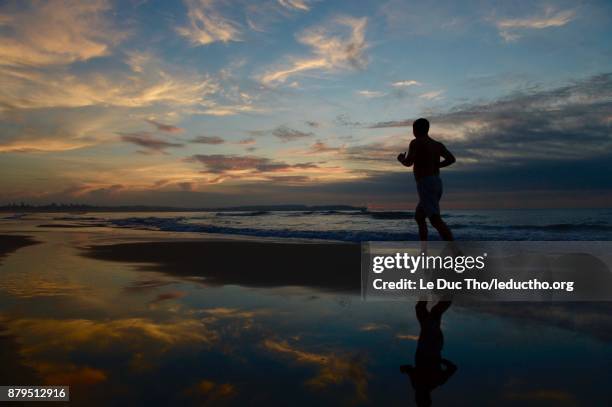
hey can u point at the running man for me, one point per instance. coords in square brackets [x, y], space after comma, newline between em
[424, 156]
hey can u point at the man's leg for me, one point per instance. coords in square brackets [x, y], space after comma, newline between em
[434, 214]
[439, 309]
[441, 227]
[421, 220]
[421, 311]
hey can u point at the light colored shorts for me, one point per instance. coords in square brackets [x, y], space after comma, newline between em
[430, 192]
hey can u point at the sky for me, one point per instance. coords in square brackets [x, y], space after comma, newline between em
[207, 103]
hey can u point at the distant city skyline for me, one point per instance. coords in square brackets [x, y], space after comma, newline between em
[211, 103]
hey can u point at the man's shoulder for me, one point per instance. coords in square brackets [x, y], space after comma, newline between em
[437, 143]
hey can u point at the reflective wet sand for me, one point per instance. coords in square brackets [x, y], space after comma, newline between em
[139, 316]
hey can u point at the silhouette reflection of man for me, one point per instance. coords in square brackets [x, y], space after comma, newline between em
[430, 370]
[423, 156]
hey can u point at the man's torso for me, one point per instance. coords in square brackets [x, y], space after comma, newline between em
[427, 154]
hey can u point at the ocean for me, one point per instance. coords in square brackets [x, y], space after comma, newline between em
[352, 226]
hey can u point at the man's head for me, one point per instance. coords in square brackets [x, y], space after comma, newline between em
[420, 127]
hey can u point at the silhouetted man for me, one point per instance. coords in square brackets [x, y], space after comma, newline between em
[424, 156]
[430, 370]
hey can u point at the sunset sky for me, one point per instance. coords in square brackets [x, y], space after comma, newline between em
[215, 103]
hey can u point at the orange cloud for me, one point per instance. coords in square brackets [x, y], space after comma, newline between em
[212, 392]
[56, 33]
[207, 24]
[333, 369]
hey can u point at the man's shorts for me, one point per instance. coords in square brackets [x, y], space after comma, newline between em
[430, 192]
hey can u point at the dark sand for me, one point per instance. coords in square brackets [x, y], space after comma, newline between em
[329, 266]
[10, 243]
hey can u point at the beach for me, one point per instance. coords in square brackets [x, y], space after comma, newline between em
[129, 315]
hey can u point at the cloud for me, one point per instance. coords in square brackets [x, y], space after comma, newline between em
[433, 95]
[407, 337]
[148, 141]
[538, 141]
[208, 140]
[95, 191]
[372, 326]
[391, 123]
[42, 144]
[39, 34]
[285, 134]
[220, 163]
[225, 313]
[313, 124]
[219, 168]
[406, 83]
[167, 128]
[39, 286]
[261, 15]
[207, 25]
[334, 369]
[68, 333]
[332, 50]
[137, 60]
[67, 373]
[247, 141]
[567, 122]
[210, 392]
[91, 106]
[570, 122]
[295, 4]
[30, 89]
[321, 147]
[345, 120]
[149, 284]
[510, 28]
[290, 179]
[228, 110]
[38, 130]
[370, 93]
[170, 295]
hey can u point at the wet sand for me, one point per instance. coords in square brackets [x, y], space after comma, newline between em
[10, 243]
[328, 266]
[110, 311]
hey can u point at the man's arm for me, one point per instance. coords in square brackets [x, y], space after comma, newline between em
[407, 159]
[449, 158]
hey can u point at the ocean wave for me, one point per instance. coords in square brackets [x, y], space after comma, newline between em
[391, 215]
[558, 227]
[253, 213]
[178, 225]
[379, 215]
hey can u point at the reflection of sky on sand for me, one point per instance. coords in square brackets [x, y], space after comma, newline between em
[114, 332]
